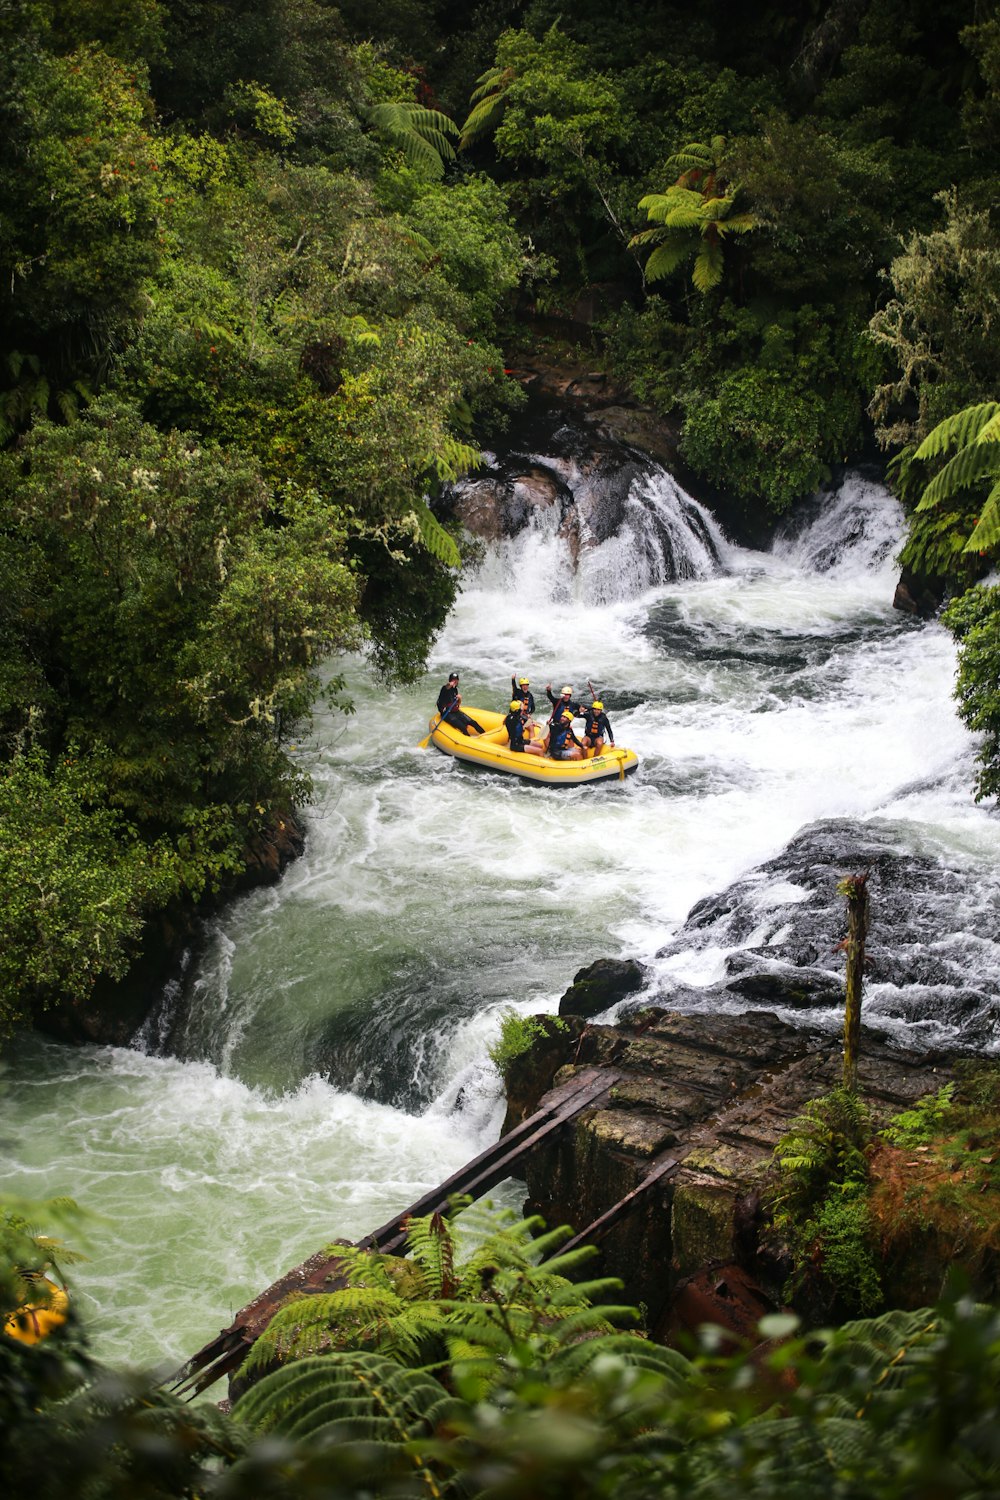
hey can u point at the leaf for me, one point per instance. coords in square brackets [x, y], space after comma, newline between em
[987, 532]
[969, 465]
[707, 271]
[958, 430]
[666, 258]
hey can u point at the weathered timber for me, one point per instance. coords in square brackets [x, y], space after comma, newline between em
[320, 1273]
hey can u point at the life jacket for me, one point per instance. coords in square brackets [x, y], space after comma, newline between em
[514, 726]
[559, 734]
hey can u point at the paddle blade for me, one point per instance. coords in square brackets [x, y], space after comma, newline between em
[424, 743]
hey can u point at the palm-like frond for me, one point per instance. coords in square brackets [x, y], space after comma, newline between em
[436, 539]
[958, 430]
[426, 137]
[971, 464]
[667, 257]
[974, 433]
[488, 101]
[369, 1394]
[708, 265]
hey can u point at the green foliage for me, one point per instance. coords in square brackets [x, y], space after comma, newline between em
[974, 434]
[426, 137]
[923, 1121]
[517, 1034]
[819, 1200]
[75, 881]
[694, 216]
[72, 1428]
[938, 327]
[974, 620]
[435, 1308]
[758, 436]
[881, 1408]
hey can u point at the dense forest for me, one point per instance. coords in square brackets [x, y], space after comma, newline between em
[263, 267]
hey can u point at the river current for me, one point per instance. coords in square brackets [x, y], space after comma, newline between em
[326, 1060]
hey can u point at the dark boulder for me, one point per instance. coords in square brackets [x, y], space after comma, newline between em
[602, 985]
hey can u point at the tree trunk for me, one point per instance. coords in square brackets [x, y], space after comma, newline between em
[855, 888]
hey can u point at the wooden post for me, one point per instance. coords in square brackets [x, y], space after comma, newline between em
[855, 889]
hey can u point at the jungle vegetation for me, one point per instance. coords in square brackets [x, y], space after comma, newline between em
[262, 268]
[495, 1376]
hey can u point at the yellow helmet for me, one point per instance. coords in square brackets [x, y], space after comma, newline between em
[516, 703]
[523, 682]
[598, 705]
[567, 692]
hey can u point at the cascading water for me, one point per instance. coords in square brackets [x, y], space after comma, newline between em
[325, 1060]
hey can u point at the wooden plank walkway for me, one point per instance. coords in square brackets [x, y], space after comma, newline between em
[225, 1353]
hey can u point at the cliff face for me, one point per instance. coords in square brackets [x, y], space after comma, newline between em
[693, 1111]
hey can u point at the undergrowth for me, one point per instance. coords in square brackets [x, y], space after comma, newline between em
[517, 1034]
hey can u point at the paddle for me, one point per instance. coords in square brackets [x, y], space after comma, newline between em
[425, 742]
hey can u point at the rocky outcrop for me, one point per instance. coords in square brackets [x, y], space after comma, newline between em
[689, 1122]
[601, 985]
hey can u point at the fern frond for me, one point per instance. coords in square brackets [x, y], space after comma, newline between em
[573, 1360]
[351, 1388]
[958, 430]
[986, 536]
[708, 263]
[436, 539]
[426, 137]
[429, 1239]
[974, 462]
[491, 82]
[736, 224]
[655, 204]
[693, 157]
[666, 258]
[646, 237]
[452, 458]
[308, 1325]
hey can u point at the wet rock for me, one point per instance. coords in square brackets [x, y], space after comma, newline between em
[602, 985]
[789, 989]
[782, 926]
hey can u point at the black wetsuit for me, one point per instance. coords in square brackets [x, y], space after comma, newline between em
[560, 733]
[597, 725]
[448, 708]
[526, 696]
[514, 726]
[575, 708]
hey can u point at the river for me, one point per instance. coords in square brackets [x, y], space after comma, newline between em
[326, 1061]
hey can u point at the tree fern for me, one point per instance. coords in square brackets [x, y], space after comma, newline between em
[488, 100]
[439, 543]
[694, 216]
[974, 434]
[381, 1416]
[426, 137]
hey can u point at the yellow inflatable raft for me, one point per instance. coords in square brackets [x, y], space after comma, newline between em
[493, 751]
[36, 1320]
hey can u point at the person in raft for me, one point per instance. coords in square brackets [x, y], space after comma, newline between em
[448, 706]
[596, 727]
[563, 743]
[521, 688]
[563, 701]
[516, 725]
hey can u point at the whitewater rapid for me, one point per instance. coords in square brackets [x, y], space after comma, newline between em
[326, 1061]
